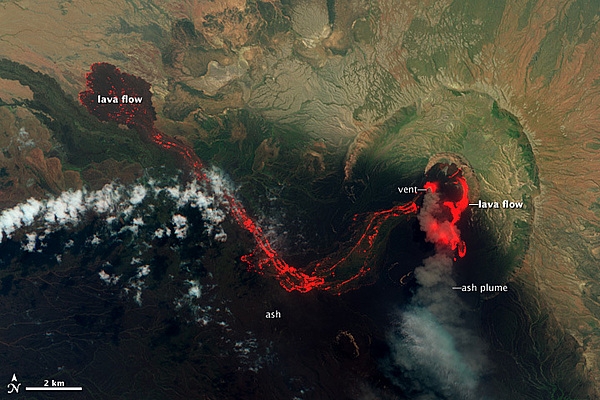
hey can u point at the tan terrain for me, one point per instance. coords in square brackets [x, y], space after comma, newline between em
[536, 59]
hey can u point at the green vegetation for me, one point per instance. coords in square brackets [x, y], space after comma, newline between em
[575, 26]
[274, 21]
[530, 165]
[151, 33]
[515, 131]
[466, 24]
[525, 15]
[363, 30]
[593, 145]
[595, 207]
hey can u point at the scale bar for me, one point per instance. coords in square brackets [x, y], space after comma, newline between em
[55, 389]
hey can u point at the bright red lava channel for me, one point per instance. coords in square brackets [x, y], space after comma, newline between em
[107, 80]
[450, 237]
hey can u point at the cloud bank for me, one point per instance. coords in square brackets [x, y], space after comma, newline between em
[117, 201]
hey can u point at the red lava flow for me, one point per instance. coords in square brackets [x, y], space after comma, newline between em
[444, 230]
[107, 80]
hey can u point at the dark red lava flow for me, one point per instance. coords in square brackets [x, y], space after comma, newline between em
[108, 81]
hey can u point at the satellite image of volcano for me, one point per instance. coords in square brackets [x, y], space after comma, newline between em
[300, 199]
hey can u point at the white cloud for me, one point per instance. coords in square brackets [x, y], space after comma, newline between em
[180, 223]
[160, 233]
[137, 283]
[221, 236]
[137, 194]
[143, 271]
[105, 199]
[139, 221]
[117, 203]
[95, 240]
[109, 279]
[30, 244]
[24, 140]
[195, 289]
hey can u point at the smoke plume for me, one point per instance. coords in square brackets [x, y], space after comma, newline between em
[435, 355]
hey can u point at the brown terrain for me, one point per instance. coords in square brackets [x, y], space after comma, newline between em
[549, 80]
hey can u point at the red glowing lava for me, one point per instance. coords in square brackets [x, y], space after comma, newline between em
[108, 81]
[361, 253]
[431, 186]
[441, 227]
